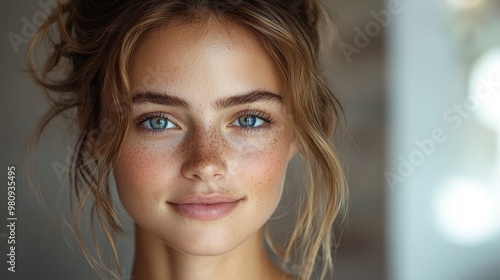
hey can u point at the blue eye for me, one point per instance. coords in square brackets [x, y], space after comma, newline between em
[252, 120]
[158, 123]
[249, 121]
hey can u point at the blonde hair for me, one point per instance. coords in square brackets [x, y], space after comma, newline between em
[94, 40]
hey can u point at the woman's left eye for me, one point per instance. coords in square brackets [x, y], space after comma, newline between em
[248, 121]
[252, 120]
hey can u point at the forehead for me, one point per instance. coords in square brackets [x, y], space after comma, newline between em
[202, 58]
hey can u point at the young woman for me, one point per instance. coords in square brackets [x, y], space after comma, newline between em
[195, 107]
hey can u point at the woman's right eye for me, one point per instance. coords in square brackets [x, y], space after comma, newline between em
[157, 123]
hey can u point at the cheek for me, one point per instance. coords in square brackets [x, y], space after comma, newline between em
[142, 173]
[262, 171]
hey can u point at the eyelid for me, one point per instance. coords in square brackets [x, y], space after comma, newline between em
[256, 113]
[140, 120]
[268, 120]
[148, 116]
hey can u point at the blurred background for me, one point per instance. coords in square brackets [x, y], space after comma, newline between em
[420, 83]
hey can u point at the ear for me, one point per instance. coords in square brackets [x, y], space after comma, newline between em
[91, 142]
[293, 149]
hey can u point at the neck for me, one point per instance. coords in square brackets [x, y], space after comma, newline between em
[154, 260]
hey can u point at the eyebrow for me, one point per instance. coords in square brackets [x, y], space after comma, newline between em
[253, 96]
[169, 100]
[159, 98]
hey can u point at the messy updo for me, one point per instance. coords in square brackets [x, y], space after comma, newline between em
[90, 44]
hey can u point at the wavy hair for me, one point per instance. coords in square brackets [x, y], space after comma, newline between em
[90, 45]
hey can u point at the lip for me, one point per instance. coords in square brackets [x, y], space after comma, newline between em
[204, 207]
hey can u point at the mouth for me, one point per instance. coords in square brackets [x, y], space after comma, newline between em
[205, 207]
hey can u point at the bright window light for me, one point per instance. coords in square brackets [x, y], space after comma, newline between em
[466, 212]
[465, 4]
[484, 88]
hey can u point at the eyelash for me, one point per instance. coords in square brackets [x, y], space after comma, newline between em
[148, 117]
[268, 120]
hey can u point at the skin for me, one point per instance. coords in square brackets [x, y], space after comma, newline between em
[203, 149]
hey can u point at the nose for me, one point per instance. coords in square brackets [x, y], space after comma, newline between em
[205, 156]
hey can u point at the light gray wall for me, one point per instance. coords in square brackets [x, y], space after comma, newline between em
[444, 193]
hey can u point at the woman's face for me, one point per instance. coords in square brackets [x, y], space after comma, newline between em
[203, 163]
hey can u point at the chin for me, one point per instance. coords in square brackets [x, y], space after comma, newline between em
[199, 238]
[207, 244]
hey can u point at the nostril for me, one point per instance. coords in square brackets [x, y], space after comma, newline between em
[205, 157]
